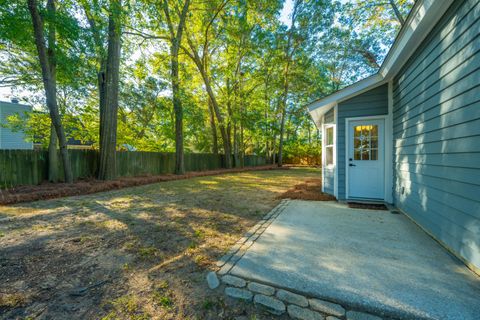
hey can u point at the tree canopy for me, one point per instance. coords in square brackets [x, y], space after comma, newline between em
[221, 76]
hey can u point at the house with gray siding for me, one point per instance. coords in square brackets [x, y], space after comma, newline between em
[409, 135]
[13, 139]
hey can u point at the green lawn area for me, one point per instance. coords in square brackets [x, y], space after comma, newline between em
[135, 253]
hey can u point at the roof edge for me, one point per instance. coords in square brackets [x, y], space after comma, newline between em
[420, 21]
[422, 18]
[14, 103]
[346, 92]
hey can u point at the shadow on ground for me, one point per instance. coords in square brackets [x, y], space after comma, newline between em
[134, 253]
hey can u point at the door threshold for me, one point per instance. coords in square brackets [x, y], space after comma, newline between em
[367, 205]
[365, 200]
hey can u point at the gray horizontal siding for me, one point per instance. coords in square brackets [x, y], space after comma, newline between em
[8, 138]
[329, 181]
[436, 130]
[329, 116]
[371, 103]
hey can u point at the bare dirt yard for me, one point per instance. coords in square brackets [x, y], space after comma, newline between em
[134, 253]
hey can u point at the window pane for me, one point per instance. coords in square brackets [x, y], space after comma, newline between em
[365, 142]
[357, 143]
[357, 154]
[357, 131]
[366, 130]
[374, 142]
[365, 154]
[330, 136]
[329, 155]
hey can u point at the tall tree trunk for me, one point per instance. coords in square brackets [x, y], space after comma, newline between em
[236, 159]
[280, 144]
[53, 156]
[284, 113]
[286, 81]
[241, 141]
[89, 10]
[232, 124]
[274, 152]
[175, 41]
[397, 13]
[108, 132]
[242, 146]
[213, 127]
[101, 83]
[287, 126]
[48, 64]
[267, 106]
[221, 122]
[177, 107]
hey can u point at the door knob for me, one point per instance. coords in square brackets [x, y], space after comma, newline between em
[352, 165]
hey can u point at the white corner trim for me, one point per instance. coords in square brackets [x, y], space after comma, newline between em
[335, 160]
[389, 147]
[347, 123]
[323, 157]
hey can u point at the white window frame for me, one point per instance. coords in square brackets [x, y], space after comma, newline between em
[324, 158]
[326, 127]
[389, 147]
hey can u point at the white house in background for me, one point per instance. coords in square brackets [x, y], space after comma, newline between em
[8, 138]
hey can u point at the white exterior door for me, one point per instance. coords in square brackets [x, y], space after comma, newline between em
[366, 159]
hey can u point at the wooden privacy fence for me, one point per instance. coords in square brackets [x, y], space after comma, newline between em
[30, 167]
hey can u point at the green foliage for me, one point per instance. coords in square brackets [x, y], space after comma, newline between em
[126, 307]
[162, 300]
[243, 46]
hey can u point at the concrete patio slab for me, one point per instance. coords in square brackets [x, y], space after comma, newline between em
[366, 260]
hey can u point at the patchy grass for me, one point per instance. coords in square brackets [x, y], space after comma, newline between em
[48, 190]
[135, 253]
[12, 300]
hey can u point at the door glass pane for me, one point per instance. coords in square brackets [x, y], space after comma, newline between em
[374, 142]
[356, 143]
[365, 142]
[357, 131]
[366, 154]
[357, 154]
[366, 131]
[374, 131]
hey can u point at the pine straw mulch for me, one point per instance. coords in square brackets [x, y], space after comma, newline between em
[49, 190]
[308, 190]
